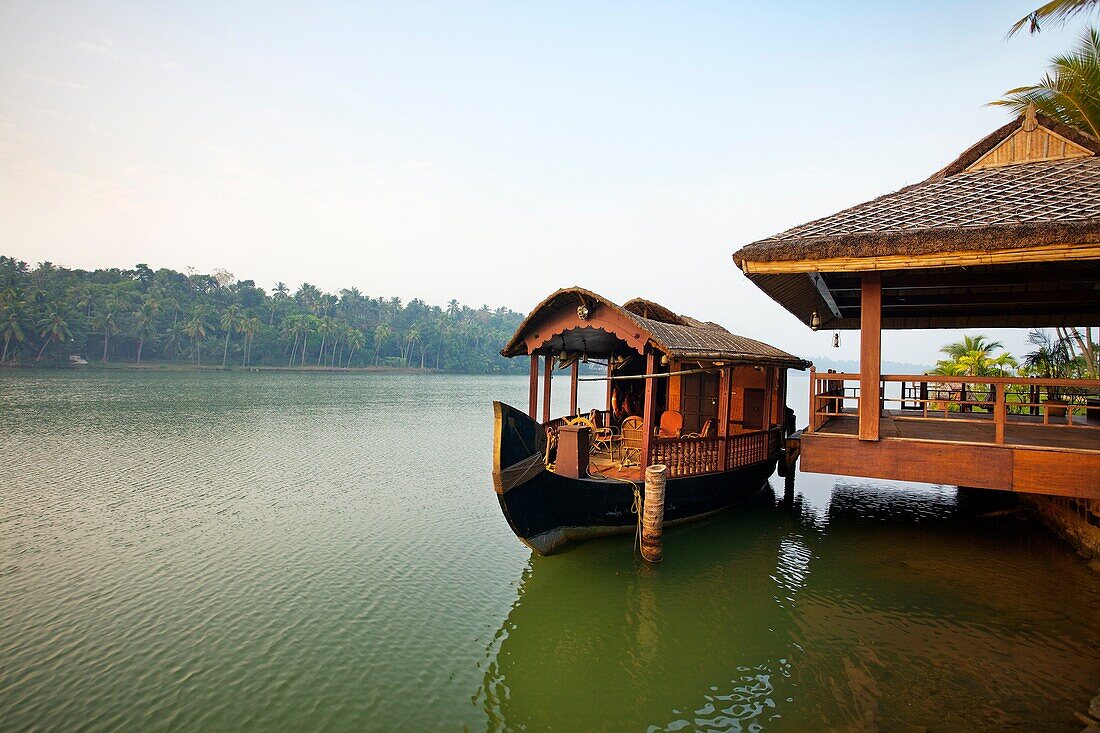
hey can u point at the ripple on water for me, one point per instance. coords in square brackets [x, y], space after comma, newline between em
[285, 551]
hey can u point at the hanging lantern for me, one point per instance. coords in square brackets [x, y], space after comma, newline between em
[815, 321]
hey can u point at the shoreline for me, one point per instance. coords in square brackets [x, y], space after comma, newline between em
[185, 367]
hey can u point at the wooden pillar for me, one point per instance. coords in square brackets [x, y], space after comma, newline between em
[1000, 413]
[610, 371]
[724, 381]
[653, 512]
[533, 389]
[782, 396]
[649, 408]
[547, 377]
[573, 374]
[870, 355]
[769, 390]
[811, 424]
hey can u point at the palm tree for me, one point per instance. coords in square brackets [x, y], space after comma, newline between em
[1070, 90]
[173, 338]
[277, 296]
[381, 333]
[53, 328]
[355, 342]
[325, 326]
[145, 327]
[1057, 11]
[231, 317]
[972, 357]
[106, 322]
[291, 327]
[308, 323]
[250, 327]
[1051, 359]
[196, 329]
[12, 320]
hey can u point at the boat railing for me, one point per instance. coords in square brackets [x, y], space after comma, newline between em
[1065, 403]
[689, 456]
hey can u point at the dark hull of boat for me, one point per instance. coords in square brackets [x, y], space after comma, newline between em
[548, 511]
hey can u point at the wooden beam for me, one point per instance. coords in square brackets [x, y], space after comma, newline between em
[842, 283]
[870, 356]
[962, 258]
[609, 386]
[648, 408]
[533, 389]
[547, 377]
[823, 290]
[573, 388]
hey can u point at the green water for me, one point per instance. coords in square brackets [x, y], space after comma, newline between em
[284, 552]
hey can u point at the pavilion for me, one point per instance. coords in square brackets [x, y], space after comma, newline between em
[1007, 235]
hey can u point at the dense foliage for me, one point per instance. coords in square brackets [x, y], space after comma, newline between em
[50, 312]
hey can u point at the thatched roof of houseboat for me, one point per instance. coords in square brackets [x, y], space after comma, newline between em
[1025, 196]
[680, 337]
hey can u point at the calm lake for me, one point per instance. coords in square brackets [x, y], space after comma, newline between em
[213, 551]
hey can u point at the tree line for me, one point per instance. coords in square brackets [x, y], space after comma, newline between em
[48, 313]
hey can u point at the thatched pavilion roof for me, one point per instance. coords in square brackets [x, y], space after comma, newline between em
[1025, 198]
[680, 337]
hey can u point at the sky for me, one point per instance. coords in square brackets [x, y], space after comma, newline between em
[490, 152]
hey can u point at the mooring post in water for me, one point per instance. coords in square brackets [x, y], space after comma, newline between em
[653, 512]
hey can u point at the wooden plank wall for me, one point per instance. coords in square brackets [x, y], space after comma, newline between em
[743, 377]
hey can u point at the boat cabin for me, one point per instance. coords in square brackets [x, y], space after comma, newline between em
[678, 391]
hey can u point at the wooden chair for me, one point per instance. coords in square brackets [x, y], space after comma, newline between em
[551, 446]
[672, 423]
[632, 434]
[604, 436]
[600, 436]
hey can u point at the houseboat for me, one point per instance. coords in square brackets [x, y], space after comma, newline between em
[704, 402]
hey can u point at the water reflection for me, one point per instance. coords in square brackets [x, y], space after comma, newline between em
[888, 607]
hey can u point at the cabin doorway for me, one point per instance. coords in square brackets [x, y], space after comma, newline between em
[698, 400]
[752, 413]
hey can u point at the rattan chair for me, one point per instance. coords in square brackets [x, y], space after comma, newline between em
[632, 434]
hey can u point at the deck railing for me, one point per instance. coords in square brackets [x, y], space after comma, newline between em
[1067, 403]
[696, 456]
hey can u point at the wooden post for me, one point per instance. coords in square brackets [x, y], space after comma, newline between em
[648, 409]
[653, 512]
[573, 373]
[547, 376]
[769, 390]
[533, 388]
[870, 355]
[813, 403]
[610, 372]
[724, 381]
[1000, 413]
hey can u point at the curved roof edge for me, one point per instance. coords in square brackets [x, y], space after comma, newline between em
[680, 337]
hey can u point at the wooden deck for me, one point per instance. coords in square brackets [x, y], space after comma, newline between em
[961, 451]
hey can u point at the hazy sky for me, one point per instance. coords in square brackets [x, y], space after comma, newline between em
[489, 152]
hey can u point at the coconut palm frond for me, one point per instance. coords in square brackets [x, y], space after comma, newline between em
[1055, 11]
[1070, 90]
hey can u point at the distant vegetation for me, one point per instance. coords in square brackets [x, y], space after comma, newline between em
[141, 315]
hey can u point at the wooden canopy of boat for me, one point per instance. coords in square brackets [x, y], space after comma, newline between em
[578, 321]
[1007, 235]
